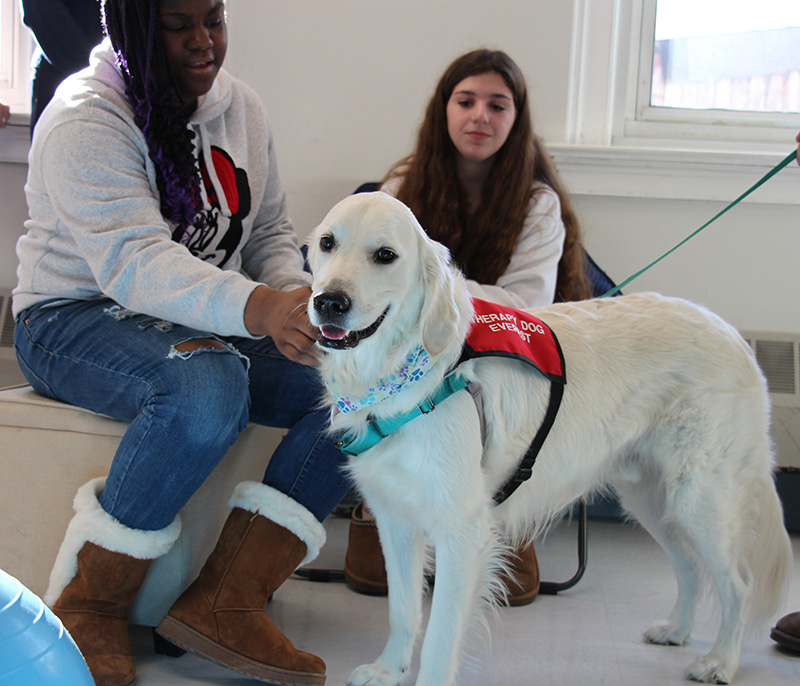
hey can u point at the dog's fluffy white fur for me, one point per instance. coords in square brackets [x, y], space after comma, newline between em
[664, 403]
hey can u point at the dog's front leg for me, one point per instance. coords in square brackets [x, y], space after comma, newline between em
[466, 561]
[404, 552]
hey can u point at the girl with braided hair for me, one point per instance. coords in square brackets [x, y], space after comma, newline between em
[160, 283]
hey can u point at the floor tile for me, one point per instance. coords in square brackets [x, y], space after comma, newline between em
[589, 634]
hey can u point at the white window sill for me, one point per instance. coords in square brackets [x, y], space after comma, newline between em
[676, 174]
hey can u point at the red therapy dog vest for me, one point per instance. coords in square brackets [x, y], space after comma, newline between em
[506, 332]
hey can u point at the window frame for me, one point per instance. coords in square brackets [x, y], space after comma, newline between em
[614, 146]
[7, 45]
[17, 45]
[716, 127]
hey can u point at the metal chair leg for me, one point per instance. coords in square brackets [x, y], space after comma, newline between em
[553, 587]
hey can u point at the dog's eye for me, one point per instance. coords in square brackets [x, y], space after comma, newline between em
[385, 255]
[326, 243]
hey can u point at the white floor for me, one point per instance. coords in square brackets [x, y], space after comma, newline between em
[590, 634]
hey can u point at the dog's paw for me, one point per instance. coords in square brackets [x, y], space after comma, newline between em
[709, 670]
[374, 674]
[666, 633]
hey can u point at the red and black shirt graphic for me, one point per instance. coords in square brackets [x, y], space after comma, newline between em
[216, 238]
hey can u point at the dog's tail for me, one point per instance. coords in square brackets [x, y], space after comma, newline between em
[768, 551]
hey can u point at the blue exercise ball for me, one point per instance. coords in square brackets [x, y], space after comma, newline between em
[35, 648]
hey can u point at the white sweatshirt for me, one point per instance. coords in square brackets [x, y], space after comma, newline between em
[530, 278]
[96, 227]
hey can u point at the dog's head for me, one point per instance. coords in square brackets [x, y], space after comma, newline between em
[379, 280]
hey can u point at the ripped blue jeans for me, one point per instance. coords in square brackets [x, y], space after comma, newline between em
[185, 409]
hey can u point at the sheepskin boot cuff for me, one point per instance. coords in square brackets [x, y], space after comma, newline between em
[92, 524]
[278, 507]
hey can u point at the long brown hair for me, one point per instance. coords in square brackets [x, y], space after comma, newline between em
[431, 189]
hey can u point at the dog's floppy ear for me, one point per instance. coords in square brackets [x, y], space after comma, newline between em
[446, 305]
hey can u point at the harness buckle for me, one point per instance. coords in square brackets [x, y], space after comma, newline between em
[427, 406]
[523, 474]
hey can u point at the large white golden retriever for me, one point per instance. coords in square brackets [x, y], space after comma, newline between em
[664, 403]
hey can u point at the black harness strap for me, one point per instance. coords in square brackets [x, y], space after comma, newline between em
[523, 472]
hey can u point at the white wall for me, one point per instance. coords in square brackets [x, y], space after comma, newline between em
[345, 83]
[744, 266]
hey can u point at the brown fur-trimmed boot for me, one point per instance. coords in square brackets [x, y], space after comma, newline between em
[523, 584]
[364, 566]
[221, 615]
[98, 571]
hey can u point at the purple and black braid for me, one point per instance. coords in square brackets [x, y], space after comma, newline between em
[134, 29]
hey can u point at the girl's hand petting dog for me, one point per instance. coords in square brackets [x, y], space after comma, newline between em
[283, 316]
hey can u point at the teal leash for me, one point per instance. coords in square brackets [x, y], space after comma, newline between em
[353, 444]
[786, 161]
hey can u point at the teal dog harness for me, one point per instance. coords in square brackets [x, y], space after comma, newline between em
[496, 331]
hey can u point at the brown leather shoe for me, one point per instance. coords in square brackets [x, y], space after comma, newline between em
[365, 569]
[221, 615]
[364, 566]
[787, 632]
[523, 585]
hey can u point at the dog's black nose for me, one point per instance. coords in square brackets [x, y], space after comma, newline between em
[332, 305]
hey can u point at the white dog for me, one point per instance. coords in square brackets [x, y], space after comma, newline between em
[664, 403]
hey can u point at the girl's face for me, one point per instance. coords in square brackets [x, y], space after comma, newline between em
[196, 40]
[480, 114]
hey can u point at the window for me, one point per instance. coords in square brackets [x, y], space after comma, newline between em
[15, 56]
[6, 45]
[16, 47]
[713, 72]
[713, 55]
[616, 90]
[710, 73]
[622, 140]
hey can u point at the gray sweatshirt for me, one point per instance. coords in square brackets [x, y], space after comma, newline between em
[96, 228]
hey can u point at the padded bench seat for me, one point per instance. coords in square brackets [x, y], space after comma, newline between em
[48, 449]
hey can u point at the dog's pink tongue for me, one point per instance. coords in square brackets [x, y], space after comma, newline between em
[333, 332]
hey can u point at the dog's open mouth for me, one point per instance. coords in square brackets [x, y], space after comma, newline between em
[336, 338]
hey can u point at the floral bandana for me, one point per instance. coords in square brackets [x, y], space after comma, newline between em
[418, 363]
